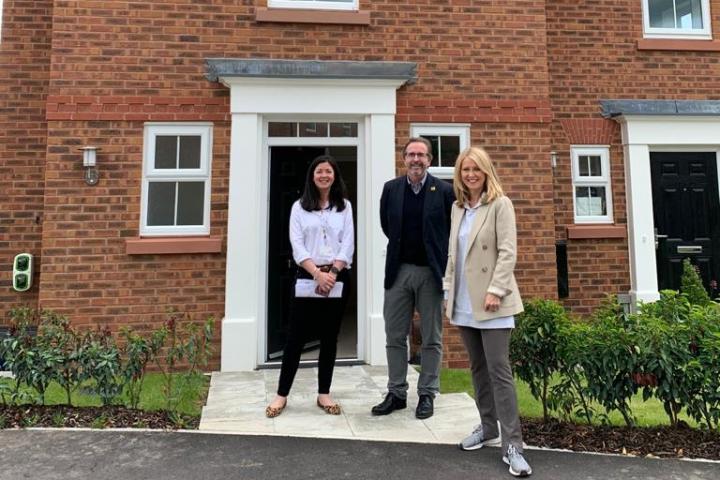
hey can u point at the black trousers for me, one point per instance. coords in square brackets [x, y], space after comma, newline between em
[312, 317]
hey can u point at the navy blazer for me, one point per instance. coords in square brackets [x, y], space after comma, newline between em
[439, 198]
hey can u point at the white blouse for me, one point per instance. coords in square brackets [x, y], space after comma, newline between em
[322, 235]
[462, 309]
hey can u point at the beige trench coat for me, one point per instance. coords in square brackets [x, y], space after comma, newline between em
[490, 259]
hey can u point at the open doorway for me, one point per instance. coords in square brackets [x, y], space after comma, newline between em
[288, 166]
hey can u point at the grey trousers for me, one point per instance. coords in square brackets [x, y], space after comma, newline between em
[414, 288]
[494, 385]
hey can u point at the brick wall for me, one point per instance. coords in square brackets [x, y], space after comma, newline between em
[117, 64]
[24, 77]
[86, 272]
[593, 54]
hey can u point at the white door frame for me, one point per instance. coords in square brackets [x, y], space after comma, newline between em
[642, 134]
[252, 101]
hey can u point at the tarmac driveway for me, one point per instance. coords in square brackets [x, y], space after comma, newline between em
[110, 455]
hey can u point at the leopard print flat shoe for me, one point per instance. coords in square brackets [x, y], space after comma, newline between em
[333, 409]
[272, 412]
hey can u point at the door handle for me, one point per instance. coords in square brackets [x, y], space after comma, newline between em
[658, 237]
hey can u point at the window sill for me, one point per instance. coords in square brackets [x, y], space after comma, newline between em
[678, 45]
[577, 232]
[160, 245]
[296, 15]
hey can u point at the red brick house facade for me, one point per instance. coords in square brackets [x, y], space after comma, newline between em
[581, 104]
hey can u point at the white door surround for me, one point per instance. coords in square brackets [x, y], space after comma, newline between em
[642, 134]
[253, 100]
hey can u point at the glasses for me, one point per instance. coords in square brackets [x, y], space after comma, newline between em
[416, 155]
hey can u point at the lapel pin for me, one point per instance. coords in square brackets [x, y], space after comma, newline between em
[432, 189]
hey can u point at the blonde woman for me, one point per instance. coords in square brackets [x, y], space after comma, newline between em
[482, 299]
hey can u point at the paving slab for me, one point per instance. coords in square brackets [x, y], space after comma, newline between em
[236, 403]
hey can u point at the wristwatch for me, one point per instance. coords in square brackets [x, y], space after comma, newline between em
[334, 270]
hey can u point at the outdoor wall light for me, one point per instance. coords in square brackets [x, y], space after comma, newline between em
[89, 160]
[553, 159]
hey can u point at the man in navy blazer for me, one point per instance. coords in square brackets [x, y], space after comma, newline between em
[415, 216]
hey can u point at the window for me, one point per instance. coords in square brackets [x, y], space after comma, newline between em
[591, 184]
[176, 179]
[447, 141]
[312, 129]
[676, 18]
[315, 4]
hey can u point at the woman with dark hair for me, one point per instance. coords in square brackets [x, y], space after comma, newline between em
[322, 239]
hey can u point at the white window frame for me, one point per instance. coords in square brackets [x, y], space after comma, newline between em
[202, 174]
[679, 33]
[604, 180]
[461, 130]
[314, 4]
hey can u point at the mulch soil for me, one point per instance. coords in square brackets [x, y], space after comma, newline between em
[94, 417]
[676, 442]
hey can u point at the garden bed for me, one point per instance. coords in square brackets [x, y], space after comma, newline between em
[676, 442]
[93, 417]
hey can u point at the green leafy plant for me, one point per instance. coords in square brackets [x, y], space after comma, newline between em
[607, 361]
[570, 396]
[100, 361]
[137, 352]
[703, 371]
[57, 335]
[534, 345]
[99, 422]
[662, 355]
[184, 341]
[58, 419]
[692, 286]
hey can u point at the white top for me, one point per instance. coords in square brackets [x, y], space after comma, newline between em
[322, 235]
[462, 309]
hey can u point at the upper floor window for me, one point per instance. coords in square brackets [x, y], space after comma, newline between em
[176, 179]
[676, 18]
[447, 141]
[592, 194]
[315, 4]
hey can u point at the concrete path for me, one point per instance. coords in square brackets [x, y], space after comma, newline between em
[236, 403]
[113, 455]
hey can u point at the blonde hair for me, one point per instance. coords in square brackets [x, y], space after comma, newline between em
[492, 188]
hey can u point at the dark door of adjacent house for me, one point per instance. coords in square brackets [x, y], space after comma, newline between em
[686, 210]
[288, 166]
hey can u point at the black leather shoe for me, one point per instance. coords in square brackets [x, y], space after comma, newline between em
[425, 407]
[389, 405]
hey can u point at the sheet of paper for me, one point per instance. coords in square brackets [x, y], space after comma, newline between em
[305, 288]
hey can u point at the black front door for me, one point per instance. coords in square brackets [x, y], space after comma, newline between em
[288, 167]
[686, 210]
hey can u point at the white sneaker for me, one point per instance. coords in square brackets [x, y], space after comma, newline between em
[518, 466]
[477, 440]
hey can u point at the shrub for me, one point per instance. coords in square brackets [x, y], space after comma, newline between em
[703, 370]
[692, 286]
[184, 341]
[138, 352]
[607, 359]
[570, 395]
[534, 345]
[57, 335]
[100, 361]
[70, 357]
